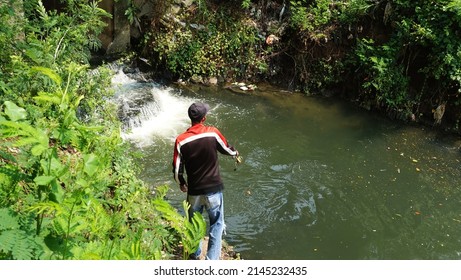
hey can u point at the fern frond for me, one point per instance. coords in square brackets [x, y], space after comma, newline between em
[23, 129]
[23, 247]
[49, 73]
[42, 11]
[47, 98]
[8, 220]
[20, 245]
[30, 136]
[49, 207]
[25, 141]
[169, 213]
[14, 174]
[15, 242]
[191, 230]
[7, 156]
[8, 240]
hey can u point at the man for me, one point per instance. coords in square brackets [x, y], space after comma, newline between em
[196, 151]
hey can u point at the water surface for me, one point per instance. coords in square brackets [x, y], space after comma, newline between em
[321, 179]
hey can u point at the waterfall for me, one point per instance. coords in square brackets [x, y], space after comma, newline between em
[149, 112]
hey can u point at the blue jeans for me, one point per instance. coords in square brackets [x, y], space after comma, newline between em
[213, 203]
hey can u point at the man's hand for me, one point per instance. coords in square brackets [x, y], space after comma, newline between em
[183, 187]
[238, 158]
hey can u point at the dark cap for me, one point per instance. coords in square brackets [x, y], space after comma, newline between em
[197, 111]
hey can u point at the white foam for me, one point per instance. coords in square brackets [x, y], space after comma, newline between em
[160, 120]
[121, 79]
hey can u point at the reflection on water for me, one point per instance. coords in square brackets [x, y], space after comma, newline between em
[320, 179]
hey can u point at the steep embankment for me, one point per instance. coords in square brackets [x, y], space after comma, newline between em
[396, 58]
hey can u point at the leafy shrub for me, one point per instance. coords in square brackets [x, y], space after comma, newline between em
[17, 239]
[223, 44]
[67, 188]
[191, 230]
[384, 81]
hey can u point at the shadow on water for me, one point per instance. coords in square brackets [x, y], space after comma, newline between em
[320, 179]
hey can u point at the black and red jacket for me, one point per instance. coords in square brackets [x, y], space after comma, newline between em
[196, 150]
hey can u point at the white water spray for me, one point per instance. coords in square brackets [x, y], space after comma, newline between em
[162, 119]
[150, 113]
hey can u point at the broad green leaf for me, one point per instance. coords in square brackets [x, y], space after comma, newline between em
[91, 164]
[82, 182]
[53, 166]
[43, 180]
[14, 112]
[57, 193]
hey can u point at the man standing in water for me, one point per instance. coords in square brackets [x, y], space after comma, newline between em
[196, 150]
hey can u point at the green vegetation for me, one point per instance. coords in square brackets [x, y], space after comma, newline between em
[67, 188]
[191, 229]
[422, 53]
[208, 42]
[399, 56]
[402, 56]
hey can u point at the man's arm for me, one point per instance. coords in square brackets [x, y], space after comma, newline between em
[178, 168]
[223, 145]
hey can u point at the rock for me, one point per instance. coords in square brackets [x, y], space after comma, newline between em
[438, 113]
[213, 81]
[271, 39]
[196, 79]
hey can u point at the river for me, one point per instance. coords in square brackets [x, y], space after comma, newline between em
[320, 178]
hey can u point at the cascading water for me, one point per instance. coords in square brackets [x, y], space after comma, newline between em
[149, 112]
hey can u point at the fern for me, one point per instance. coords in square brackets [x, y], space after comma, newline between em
[16, 243]
[7, 156]
[42, 11]
[191, 231]
[7, 241]
[8, 221]
[31, 135]
[47, 72]
[194, 231]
